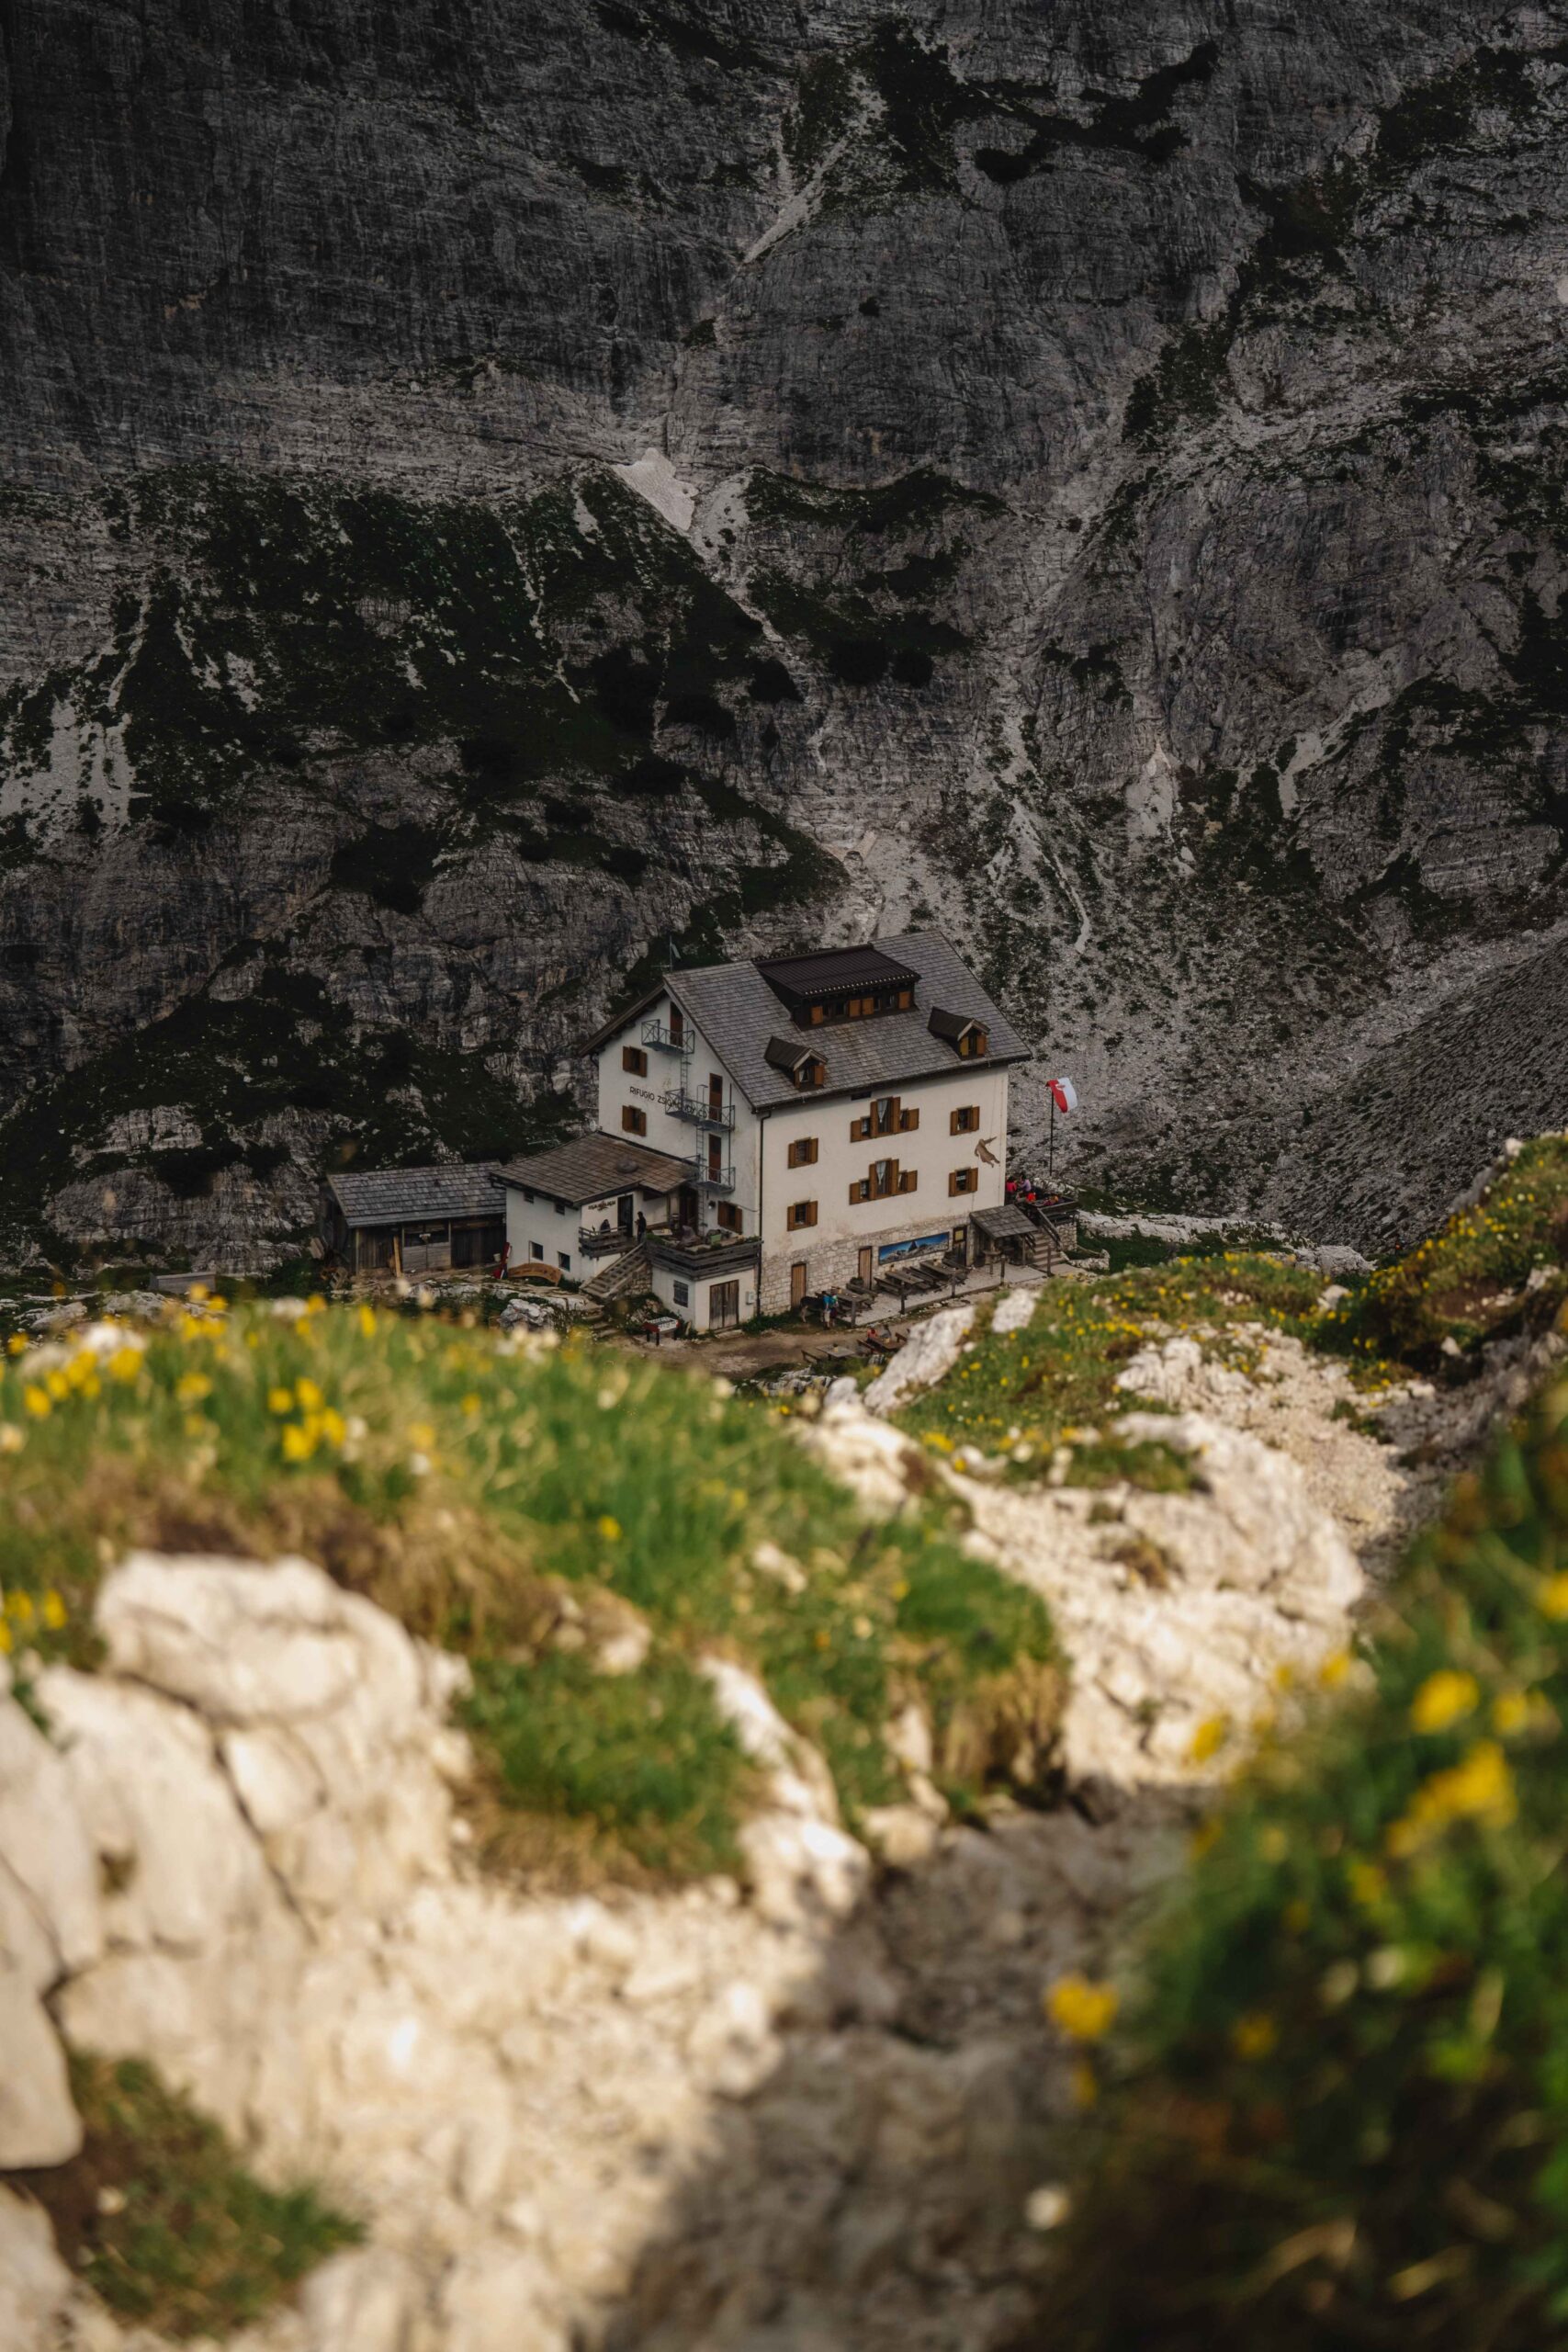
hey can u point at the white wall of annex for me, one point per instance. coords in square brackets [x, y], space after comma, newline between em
[528, 1222]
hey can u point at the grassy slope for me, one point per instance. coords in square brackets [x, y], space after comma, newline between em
[1343, 2116]
[510, 1502]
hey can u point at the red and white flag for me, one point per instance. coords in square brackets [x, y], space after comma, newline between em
[1063, 1093]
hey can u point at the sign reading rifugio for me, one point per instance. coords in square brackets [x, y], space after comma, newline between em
[908, 1249]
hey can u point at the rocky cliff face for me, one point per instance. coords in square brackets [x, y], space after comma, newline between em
[490, 493]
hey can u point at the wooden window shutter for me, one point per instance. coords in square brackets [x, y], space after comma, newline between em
[799, 1214]
[908, 1179]
[803, 1152]
[859, 1130]
[966, 1120]
[635, 1059]
[909, 1120]
[634, 1123]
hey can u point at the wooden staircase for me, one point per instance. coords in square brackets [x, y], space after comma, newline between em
[614, 1279]
[1044, 1247]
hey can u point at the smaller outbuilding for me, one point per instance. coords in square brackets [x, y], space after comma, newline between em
[415, 1220]
[591, 1199]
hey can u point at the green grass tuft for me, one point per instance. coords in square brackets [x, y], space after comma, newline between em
[161, 2219]
[644, 1757]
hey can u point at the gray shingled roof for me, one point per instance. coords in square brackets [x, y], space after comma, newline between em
[738, 1012]
[594, 1167]
[393, 1195]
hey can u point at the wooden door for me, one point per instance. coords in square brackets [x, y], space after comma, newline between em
[724, 1306]
[796, 1283]
[715, 1094]
[716, 1155]
[866, 1266]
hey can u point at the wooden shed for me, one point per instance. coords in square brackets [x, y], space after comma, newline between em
[415, 1220]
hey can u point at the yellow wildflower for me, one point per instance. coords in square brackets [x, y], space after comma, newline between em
[1209, 1738]
[1080, 2009]
[1367, 1882]
[192, 1386]
[1480, 1787]
[334, 1429]
[16, 1345]
[1444, 1700]
[5, 1639]
[1084, 2084]
[1333, 1671]
[54, 1611]
[299, 1443]
[470, 1403]
[1511, 1711]
[1552, 1596]
[310, 1395]
[280, 1401]
[57, 1385]
[36, 1400]
[1254, 2035]
[367, 1320]
[125, 1365]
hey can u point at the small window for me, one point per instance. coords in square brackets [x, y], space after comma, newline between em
[803, 1152]
[728, 1216]
[635, 1059]
[563, 1259]
[818, 1014]
[860, 1192]
[536, 1251]
[634, 1123]
[966, 1120]
[810, 1072]
[682, 1293]
[963, 1180]
[908, 1179]
[973, 1043]
[799, 1214]
[560, 1209]
[906, 998]
[528, 1196]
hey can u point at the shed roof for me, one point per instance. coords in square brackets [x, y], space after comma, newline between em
[1005, 1223]
[399, 1195]
[738, 1012]
[594, 1166]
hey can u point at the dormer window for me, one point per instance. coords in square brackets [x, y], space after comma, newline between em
[968, 1036]
[802, 1065]
[840, 984]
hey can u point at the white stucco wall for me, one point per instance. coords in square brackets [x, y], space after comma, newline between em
[620, 1088]
[830, 1249]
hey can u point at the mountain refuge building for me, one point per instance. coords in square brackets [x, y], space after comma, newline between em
[772, 1129]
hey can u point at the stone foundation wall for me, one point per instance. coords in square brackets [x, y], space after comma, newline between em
[831, 1264]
